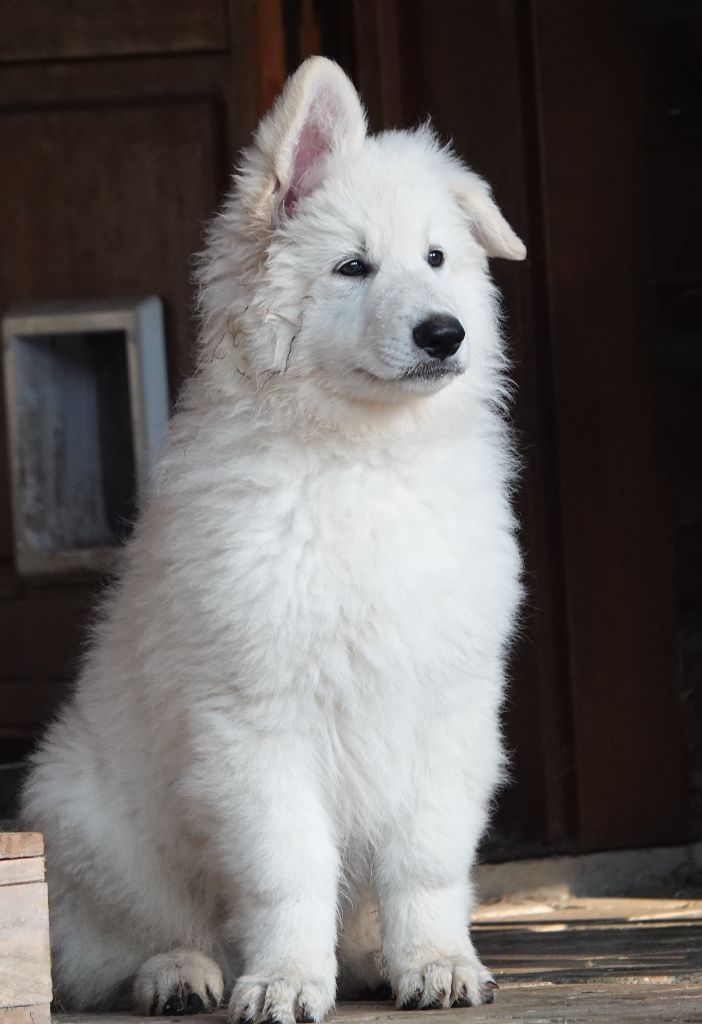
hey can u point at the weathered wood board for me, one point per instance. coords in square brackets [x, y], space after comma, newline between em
[15, 845]
[25, 964]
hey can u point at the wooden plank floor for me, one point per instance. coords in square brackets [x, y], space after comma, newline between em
[572, 961]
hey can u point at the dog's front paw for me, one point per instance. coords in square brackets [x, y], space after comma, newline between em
[453, 981]
[182, 981]
[280, 1000]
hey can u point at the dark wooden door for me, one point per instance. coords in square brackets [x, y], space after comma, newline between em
[118, 123]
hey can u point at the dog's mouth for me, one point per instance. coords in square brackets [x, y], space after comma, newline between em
[434, 370]
[428, 372]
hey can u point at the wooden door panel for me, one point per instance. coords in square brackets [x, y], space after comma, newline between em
[35, 30]
[107, 201]
[617, 550]
[118, 125]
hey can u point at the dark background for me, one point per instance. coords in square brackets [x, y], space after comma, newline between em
[119, 123]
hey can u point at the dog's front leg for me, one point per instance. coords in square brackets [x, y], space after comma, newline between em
[277, 853]
[422, 879]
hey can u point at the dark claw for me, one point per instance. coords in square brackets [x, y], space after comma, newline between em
[194, 1003]
[304, 1015]
[463, 999]
[413, 1002]
[487, 991]
[153, 1009]
[435, 1004]
[174, 1006]
[213, 1002]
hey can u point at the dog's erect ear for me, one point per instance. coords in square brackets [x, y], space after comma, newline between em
[487, 224]
[317, 114]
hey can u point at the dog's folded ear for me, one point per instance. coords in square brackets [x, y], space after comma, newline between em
[487, 224]
[318, 114]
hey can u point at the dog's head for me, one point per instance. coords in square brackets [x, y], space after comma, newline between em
[353, 264]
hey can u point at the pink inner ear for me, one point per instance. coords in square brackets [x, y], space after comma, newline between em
[313, 145]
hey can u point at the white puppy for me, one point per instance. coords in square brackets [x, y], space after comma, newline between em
[281, 750]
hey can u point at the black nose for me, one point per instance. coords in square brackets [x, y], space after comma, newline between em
[439, 335]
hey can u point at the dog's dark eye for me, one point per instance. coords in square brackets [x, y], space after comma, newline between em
[435, 257]
[353, 268]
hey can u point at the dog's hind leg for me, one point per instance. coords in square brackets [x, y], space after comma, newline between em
[92, 960]
[182, 981]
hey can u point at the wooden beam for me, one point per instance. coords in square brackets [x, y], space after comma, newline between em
[617, 553]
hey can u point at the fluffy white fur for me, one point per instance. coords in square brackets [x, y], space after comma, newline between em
[281, 750]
